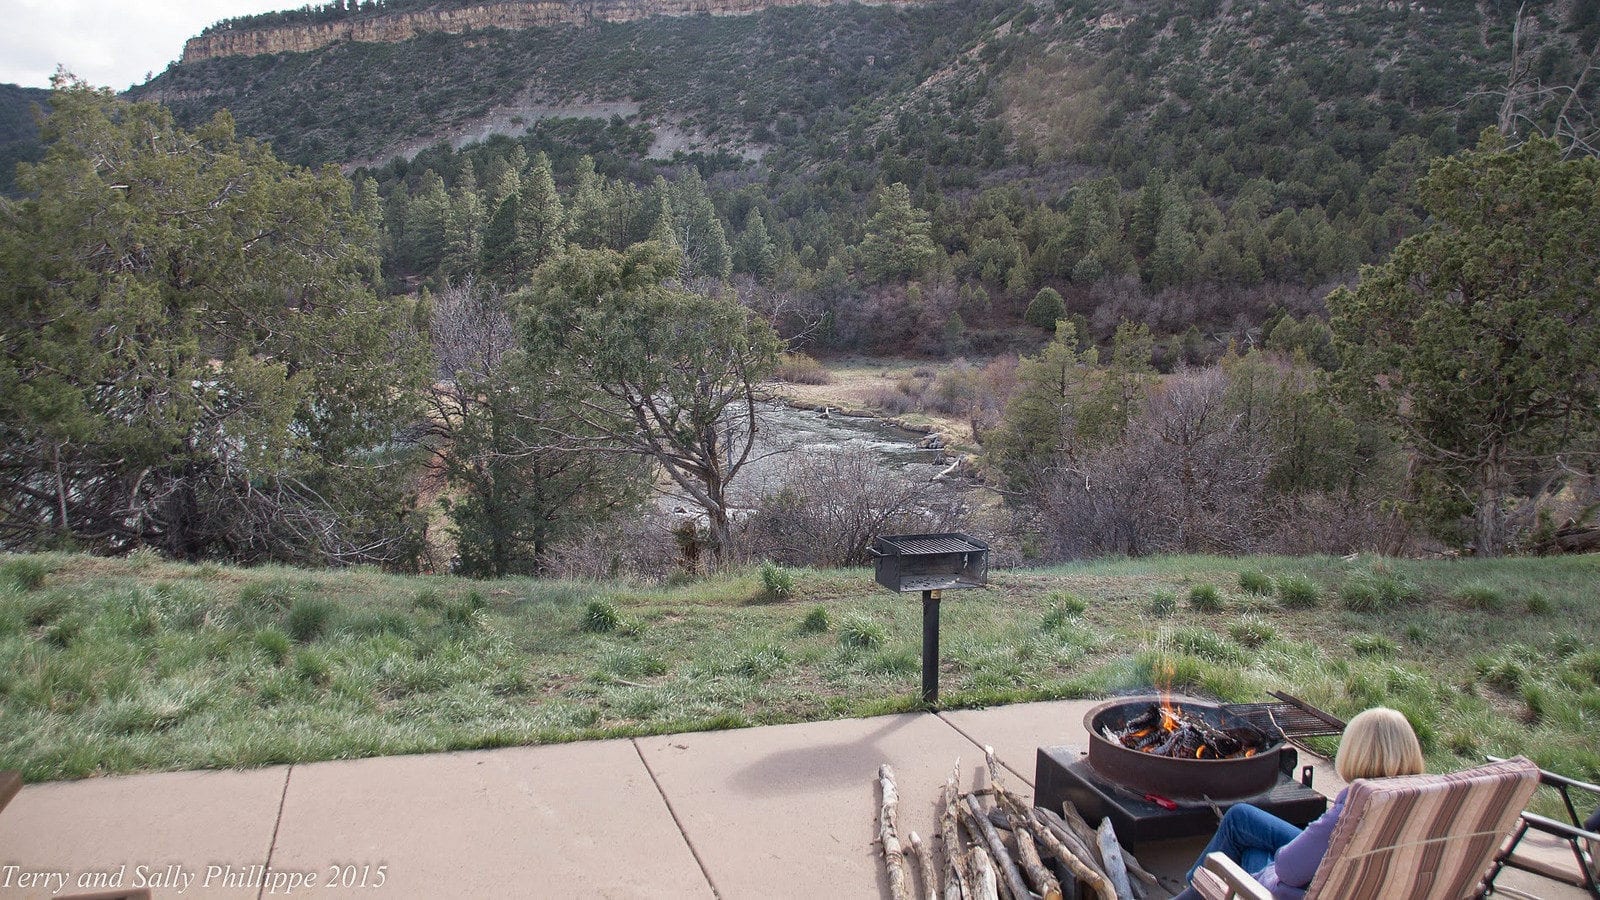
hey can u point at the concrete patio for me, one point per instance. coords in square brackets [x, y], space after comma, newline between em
[778, 811]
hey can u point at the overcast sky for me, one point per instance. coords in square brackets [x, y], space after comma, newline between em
[110, 43]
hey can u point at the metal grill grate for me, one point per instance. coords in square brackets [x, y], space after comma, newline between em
[932, 545]
[1293, 716]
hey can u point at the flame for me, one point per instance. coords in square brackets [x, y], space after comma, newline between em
[1139, 734]
[1249, 752]
[1199, 752]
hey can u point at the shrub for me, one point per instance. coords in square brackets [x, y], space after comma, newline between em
[1045, 309]
[309, 618]
[600, 616]
[1479, 595]
[1298, 592]
[26, 574]
[1206, 598]
[777, 581]
[817, 621]
[1372, 645]
[1255, 582]
[1163, 604]
[1252, 631]
[861, 633]
[800, 368]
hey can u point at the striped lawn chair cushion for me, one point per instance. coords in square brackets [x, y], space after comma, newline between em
[1423, 837]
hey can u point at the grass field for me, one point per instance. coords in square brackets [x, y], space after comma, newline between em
[136, 664]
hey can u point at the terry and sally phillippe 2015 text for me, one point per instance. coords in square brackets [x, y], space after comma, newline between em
[180, 879]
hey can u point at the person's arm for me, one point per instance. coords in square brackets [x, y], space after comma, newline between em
[1296, 864]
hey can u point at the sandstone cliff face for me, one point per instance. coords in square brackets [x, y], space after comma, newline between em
[400, 26]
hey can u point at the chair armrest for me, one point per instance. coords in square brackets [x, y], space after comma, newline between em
[1559, 829]
[1220, 878]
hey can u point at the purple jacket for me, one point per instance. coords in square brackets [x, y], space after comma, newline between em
[1291, 871]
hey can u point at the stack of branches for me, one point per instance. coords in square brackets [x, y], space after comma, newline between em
[998, 846]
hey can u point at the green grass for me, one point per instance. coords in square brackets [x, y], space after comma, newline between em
[140, 665]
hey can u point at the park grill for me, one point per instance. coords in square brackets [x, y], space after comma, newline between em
[930, 564]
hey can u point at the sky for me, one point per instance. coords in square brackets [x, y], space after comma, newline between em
[108, 43]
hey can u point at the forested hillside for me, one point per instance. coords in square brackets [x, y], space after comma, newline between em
[19, 132]
[1181, 164]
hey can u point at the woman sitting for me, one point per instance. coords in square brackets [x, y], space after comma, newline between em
[1378, 743]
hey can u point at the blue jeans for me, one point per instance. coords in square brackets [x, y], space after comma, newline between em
[1249, 837]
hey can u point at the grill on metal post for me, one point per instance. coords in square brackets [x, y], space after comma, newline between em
[932, 564]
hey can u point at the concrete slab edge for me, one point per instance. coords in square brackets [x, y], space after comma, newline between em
[272, 845]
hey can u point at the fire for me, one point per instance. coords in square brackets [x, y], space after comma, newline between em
[1249, 752]
[1199, 751]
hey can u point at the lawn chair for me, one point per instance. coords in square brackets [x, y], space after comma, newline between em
[1416, 837]
[1580, 836]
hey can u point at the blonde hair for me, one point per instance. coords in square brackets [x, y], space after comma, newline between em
[1378, 743]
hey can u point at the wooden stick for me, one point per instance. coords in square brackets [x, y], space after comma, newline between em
[1089, 876]
[1086, 833]
[1153, 889]
[893, 858]
[1010, 874]
[1116, 869]
[1089, 854]
[1032, 866]
[957, 883]
[984, 885]
[924, 858]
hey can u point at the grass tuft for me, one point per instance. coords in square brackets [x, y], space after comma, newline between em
[1539, 605]
[1206, 598]
[1255, 582]
[1298, 592]
[1163, 604]
[25, 574]
[1372, 645]
[1480, 595]
[1252, 631]
[777, 581]
[817, 621]
[309, 618]
[1206, 645]
[861, 633]
[601, 617]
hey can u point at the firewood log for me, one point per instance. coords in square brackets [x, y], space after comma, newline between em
[1116, 869]
[893, 858]
[1088, 851]
[1086, 833]
[984, 885]
[1045, 884]
[924, 858]
[1009, 874]
[957, 883]
[1078, 862]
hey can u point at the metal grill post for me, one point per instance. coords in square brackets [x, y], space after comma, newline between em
[930, 647]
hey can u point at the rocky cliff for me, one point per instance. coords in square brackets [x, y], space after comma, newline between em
[404, 25]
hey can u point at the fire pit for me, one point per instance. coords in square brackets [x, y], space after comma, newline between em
[1183, 750]
[1151, 797]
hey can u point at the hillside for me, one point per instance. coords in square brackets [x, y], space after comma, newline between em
[19, 131]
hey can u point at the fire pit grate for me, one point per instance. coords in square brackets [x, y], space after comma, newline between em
[1292, 716]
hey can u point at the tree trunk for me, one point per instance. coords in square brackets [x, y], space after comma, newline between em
[1491, 514]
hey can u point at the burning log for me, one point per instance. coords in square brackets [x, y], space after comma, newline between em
[1168, 730]
[893, 858]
